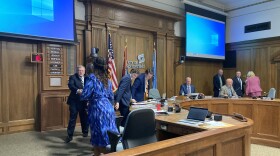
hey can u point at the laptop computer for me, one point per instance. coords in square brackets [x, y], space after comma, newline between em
[196, 115]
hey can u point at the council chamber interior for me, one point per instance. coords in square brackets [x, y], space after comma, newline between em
[195, 50]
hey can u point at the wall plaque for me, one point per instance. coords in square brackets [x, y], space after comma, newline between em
[55, 81]
[55, 57]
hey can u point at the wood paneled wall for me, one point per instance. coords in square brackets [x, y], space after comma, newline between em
[201, 71]
[141, 26]
[260, 56]
[21, 84]
[18, 87]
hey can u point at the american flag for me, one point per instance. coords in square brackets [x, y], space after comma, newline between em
[111, 64]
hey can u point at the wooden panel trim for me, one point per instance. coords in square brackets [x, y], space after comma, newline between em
[2, 129]
[265, 142]
[191, 143]
[5, 79]
[21, 125]
[1, 78]
[139, 7]
[44, 106]
[254, 43]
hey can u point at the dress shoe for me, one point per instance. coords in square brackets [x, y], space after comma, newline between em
[85, 134]
[68, 139]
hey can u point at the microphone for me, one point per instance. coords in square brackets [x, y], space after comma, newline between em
[94, 52]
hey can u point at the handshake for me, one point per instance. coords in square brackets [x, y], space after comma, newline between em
[79, 91]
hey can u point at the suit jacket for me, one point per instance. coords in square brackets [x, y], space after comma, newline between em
[237, 86]
[74, 84]
[216, 82]
[224, 91]
[253, 85]
[138, 88]
[123, 94]
[184, 89]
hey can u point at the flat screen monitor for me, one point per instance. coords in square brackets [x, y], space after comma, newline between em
[48, 20]
[196, 113]
[205, 37]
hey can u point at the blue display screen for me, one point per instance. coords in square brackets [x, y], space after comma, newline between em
[205, 37]
[51, 19]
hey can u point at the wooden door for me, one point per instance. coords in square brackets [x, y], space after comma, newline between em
[19, 87]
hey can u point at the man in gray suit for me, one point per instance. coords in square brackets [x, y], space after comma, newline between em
[123, 95]
[227, 90]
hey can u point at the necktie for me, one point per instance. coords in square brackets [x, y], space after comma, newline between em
[189, 89]
[240, 83]
[146, 88]
[82, 80]
[221, 83]
[229, 92]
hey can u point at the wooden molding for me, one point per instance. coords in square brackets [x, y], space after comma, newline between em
[138, 7]
[254, 43]
[276, 59]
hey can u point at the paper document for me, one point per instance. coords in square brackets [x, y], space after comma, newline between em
[215, 124]
[206, 124]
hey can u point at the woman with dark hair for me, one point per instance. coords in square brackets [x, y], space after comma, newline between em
[101, 115]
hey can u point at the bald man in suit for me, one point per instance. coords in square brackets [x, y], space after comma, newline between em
[187, 88]
[227, 90]
[218, 82]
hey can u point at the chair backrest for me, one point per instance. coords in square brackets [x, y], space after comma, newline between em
[118, 121]
[271, 93]
[154, 94]
[139, 129]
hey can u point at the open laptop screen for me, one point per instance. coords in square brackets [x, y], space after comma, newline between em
[196, 113]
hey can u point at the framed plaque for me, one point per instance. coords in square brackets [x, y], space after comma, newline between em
[55, 81]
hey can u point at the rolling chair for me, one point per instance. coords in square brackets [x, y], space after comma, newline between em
[113, 137]
[139, 129]
[154, 94]
[271, 93]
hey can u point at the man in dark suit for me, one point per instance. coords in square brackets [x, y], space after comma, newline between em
[238, 84]
[218, 82]
[76, 85]
[187, 88]
[123, 94]
[140, 86]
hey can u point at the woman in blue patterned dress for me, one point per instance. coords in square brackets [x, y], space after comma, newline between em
[101, 115]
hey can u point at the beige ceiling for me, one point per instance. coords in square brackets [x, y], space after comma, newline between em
[227, 5]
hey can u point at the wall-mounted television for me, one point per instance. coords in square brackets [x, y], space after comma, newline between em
[47, 20]
[205, 37]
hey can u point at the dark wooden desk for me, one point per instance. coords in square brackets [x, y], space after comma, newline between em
[193, 141]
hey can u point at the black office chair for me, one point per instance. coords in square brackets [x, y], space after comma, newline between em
[139, 129]
[113, 137]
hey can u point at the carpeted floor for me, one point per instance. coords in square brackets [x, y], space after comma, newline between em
[51, 143]
[44, 144]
